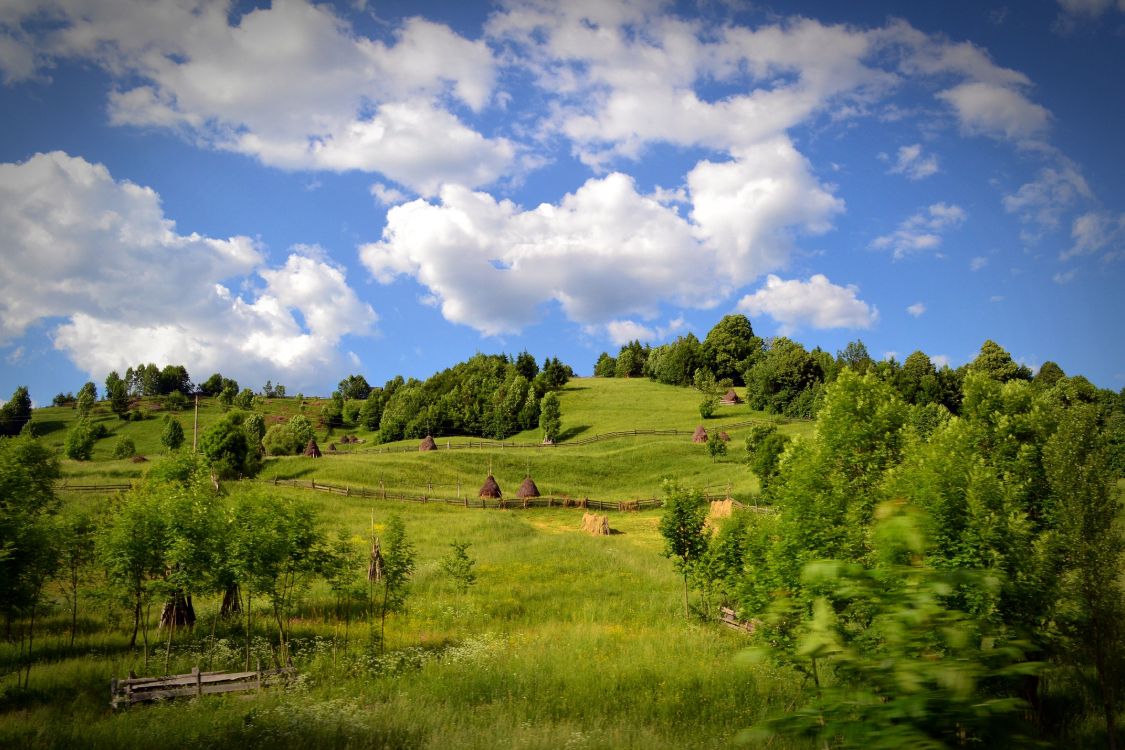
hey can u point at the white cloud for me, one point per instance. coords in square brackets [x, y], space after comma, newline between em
[1094, 232]
[911, 162]
[922, 231]
[292, 85]
[917, 309]
[604, 252]
[1090, 8]
[100, 255]
[621, 332]
[997, 110]
[386, 195]
[940, 360]
[977, 263]
[996, 298]
[1054, 190]
[1065, 277]
[817, 303]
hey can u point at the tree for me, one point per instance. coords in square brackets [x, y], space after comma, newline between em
[85, 403]
[28, 472]
[80, 441]
[783, 378]
[707, 407]
[1049, 374]
[459, 566]
[994, 361]
[525, 365]
[230, 450]
[124, 448]
[76, 545]
[675, 363]
[172, 436]
[606, 366]
[118, 394]
[855, 357]
[398, 567]
[372, 410]
[550, 417]
[764, 447]
[244, 400]
[555, 374]
[682, 527]
[174, 378]
[728, 347]
[16, 412]
[90, 388]
[716, 446]
[354, 387]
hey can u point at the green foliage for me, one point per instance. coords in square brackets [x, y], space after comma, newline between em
[398, 567]
[855, 357]
[124, 448]
[682, 526]
[675, 363]
[231, 451]
[894, 664]
[118, 394]
[216, 384]
[354, 387]
[244, 400]
[526, 365]
[994, 362]
[459, 566]
[85, 403]
[707, 407]
[764, 448]
[550, 417]
[372, 410]
[16, 412]
[176, 401]
[606, 366]
[631, 360]
[80, 441]
[782, 379]
[172, 435]
[729, 347]
[716, 446]
[554, 374]
[288, 439]
[27, 502]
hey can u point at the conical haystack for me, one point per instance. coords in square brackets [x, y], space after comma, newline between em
[427, 444]
[700, 435]
[312, 449]
[527, 489]
[730, 398]
[490, 488]
[596, 524]
[724, 437]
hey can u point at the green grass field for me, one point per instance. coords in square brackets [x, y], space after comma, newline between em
[565, 641]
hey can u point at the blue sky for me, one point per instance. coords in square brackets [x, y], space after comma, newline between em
[298, 191]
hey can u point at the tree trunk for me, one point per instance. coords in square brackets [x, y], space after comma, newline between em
[178, 611]
[232, 601]
[136, 622]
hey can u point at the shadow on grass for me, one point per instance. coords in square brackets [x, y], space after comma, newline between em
[47, 426]
[572, 432]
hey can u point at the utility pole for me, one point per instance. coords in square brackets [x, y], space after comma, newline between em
[195, 430]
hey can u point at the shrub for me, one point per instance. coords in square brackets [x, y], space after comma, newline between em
[80, 441]
[124, 448]
[707, 407]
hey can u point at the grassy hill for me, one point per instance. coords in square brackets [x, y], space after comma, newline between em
[614, 469]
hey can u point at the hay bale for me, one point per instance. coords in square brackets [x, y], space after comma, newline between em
[628, 505]
[724, 437]
[427, 444]
[700, 435]
[527, 489]
[730, 398]
[721, 508]
[332, 447]
[490, 488]
[596, 524]
[312, 450]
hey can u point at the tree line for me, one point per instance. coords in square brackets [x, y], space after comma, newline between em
[941, 579]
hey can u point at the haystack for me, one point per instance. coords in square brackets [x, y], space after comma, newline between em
[527, 489]
[724, 437]
[331, 447]
[700, 435]
[312, 450]
[595, 524]
[490, 488]
[427, 444]
[138, 459]
[721, 508]
[730, 398]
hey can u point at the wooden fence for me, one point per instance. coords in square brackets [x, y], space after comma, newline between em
[504, 445]
[728, 617]
[67, 487]
[430, 496]
[142, 689]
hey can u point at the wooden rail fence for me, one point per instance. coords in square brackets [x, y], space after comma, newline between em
[142, 689]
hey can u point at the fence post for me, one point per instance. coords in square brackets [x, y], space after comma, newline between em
[198, 681]
[259, 665]
[382, 490]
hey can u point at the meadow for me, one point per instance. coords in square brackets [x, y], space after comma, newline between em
[565, 640]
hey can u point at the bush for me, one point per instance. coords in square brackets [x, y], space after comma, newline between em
[80, 441]
[176, 401]
[707, 407]
[172, 436]
[124, 448]
[99, 431]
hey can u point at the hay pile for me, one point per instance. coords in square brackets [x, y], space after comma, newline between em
[312, 450]
[722, 508]
[427, 444]
[700, 435]
[490, 488]
[138, 459]
[570, 502]
[527, 489]
[724, 437]
[596, 524]
[730, 398]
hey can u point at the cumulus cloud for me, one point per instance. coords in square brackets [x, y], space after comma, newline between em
[997, 110]
[977, 263]
[916, 309]
[100, 255]
[922, 231]
[817, 303]
[912, 163]
[292, 85]
[621, 332]
[604, 252]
